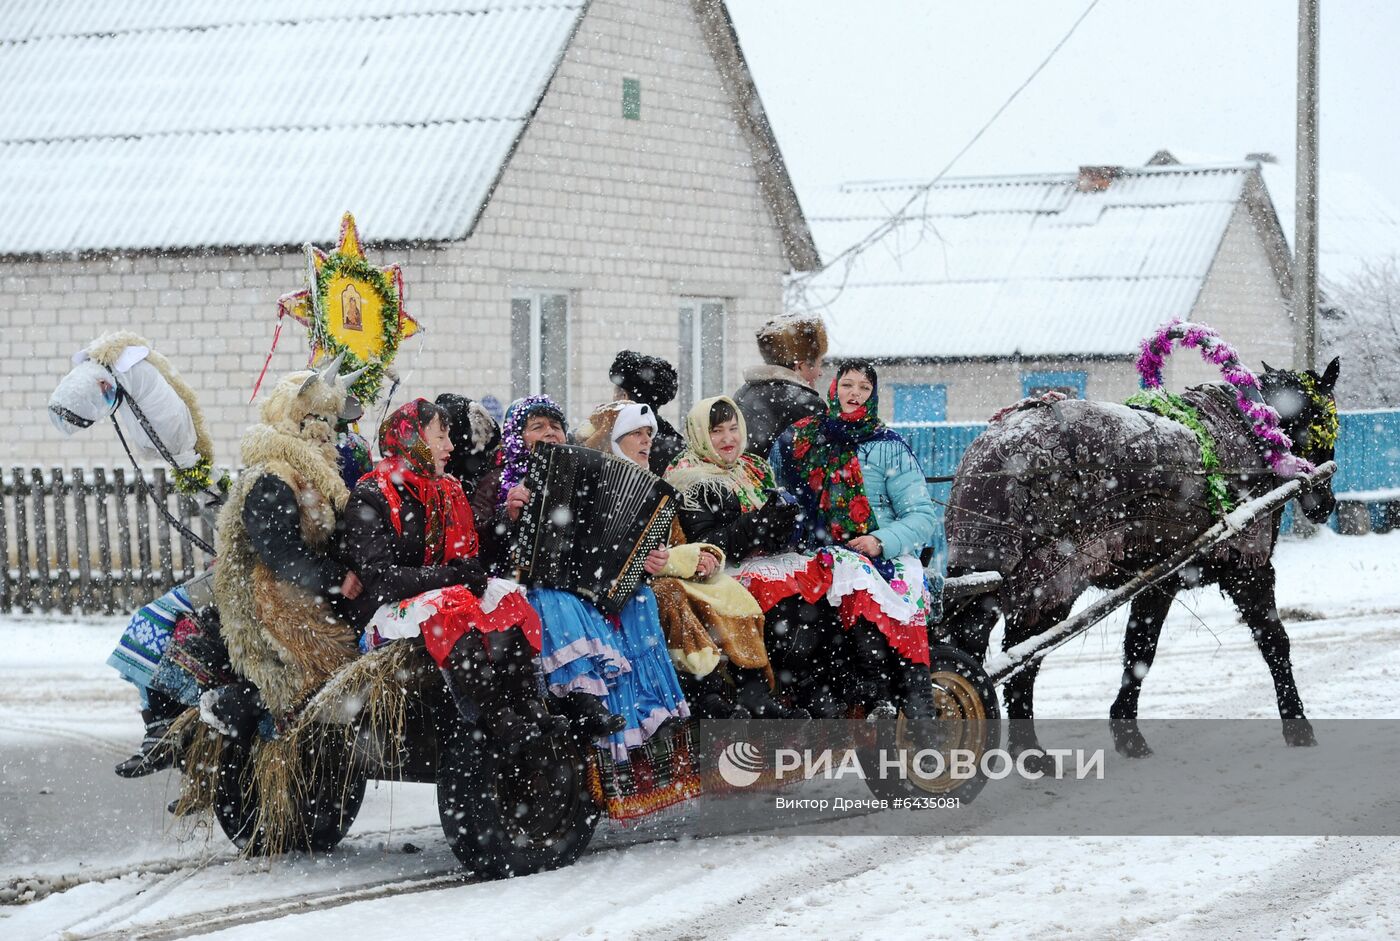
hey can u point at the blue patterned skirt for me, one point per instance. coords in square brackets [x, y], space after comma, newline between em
[623, 661]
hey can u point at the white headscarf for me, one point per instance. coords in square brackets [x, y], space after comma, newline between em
[630, 417]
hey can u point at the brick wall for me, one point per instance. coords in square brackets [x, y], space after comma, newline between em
[1242, 300]
[627, 216]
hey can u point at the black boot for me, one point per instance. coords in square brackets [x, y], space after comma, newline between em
[920, 713]
[757, 699]
[516, 669]
[869, 660]
[157, 751]
[467, 674]
[590, 715]
[234, 709]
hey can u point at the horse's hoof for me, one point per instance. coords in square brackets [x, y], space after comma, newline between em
[1035, 761]
[1298, 733]
[1129, 743]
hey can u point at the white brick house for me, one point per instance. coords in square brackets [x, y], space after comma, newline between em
[600, 172]
[989, 288]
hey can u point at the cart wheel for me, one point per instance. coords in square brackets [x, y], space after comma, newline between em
[325, 811]
[514, 818]
[968, 718]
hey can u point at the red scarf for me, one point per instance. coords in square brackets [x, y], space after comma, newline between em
[449, 531]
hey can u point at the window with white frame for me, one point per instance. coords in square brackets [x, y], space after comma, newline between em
[701, 360]
[539, 345]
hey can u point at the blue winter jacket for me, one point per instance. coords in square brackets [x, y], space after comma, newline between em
[895, 487]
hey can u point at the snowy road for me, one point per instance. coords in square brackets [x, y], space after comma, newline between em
[108, 862]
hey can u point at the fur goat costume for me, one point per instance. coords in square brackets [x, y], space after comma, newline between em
[279, 636]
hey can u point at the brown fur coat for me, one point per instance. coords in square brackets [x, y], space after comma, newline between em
[279, 636]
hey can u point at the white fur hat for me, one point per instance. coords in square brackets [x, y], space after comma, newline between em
[630, 417]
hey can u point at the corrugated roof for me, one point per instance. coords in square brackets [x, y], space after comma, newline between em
[1023, 265]
[144, 125]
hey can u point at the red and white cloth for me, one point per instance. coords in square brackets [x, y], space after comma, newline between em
[443, 615]
[847, 580]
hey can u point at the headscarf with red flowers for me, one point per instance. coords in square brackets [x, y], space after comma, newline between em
[825, 464]
[407, 462]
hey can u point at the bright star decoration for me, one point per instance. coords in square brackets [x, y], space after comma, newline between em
[350, 306]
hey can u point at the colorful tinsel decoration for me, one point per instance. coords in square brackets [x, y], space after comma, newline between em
[1264, 420]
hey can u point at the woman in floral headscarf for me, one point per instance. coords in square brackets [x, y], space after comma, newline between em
[866, 517]
[410, 533]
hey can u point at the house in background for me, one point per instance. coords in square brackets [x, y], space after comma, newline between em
[558, 179]
[988, 289]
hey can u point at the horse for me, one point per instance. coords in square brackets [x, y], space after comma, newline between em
[1062, 495]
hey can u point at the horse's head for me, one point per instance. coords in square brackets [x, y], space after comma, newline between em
[1307, 408]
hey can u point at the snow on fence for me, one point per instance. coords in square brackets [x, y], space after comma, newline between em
[92, 540]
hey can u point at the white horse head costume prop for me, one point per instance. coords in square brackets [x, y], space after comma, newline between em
[118, 370]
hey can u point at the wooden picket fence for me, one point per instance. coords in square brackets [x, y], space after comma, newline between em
[93, 541]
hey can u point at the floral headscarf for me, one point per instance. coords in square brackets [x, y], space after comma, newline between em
[700, 465]
[826, 466]
[407, 462]
[514, 456]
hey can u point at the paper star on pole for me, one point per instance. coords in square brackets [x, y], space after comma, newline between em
[353, 307]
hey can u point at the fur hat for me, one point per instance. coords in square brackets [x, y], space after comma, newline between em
[644, 378]
[614, 420]
[792, 338]
[475, 435]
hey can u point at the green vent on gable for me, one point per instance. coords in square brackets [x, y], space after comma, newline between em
[632, 99]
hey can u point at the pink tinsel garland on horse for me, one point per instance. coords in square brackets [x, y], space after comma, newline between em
[1263, 418]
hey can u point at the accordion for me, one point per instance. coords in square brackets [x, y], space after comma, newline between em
[591, 520]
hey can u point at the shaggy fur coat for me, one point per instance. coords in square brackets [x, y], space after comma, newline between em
[282, 637]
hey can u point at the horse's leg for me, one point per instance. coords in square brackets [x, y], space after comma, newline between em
[1145, 618]
[1019, 691]
[1252, 591]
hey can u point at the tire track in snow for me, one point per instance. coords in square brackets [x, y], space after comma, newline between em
[252, 912]
[129, 905]
[1281, 896]
[44, 886]
[745, 916]
[266, 909]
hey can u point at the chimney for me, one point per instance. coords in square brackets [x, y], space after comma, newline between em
[1261, 157]
[1097, 179]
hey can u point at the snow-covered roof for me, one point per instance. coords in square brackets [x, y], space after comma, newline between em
[147, 124]
[1020, 265]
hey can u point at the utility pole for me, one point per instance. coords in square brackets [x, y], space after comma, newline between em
[1305, 226]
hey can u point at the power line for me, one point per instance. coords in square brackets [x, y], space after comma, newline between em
[852, 252]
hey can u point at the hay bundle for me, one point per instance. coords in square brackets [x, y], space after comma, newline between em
[199, 748]
[357, 718]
